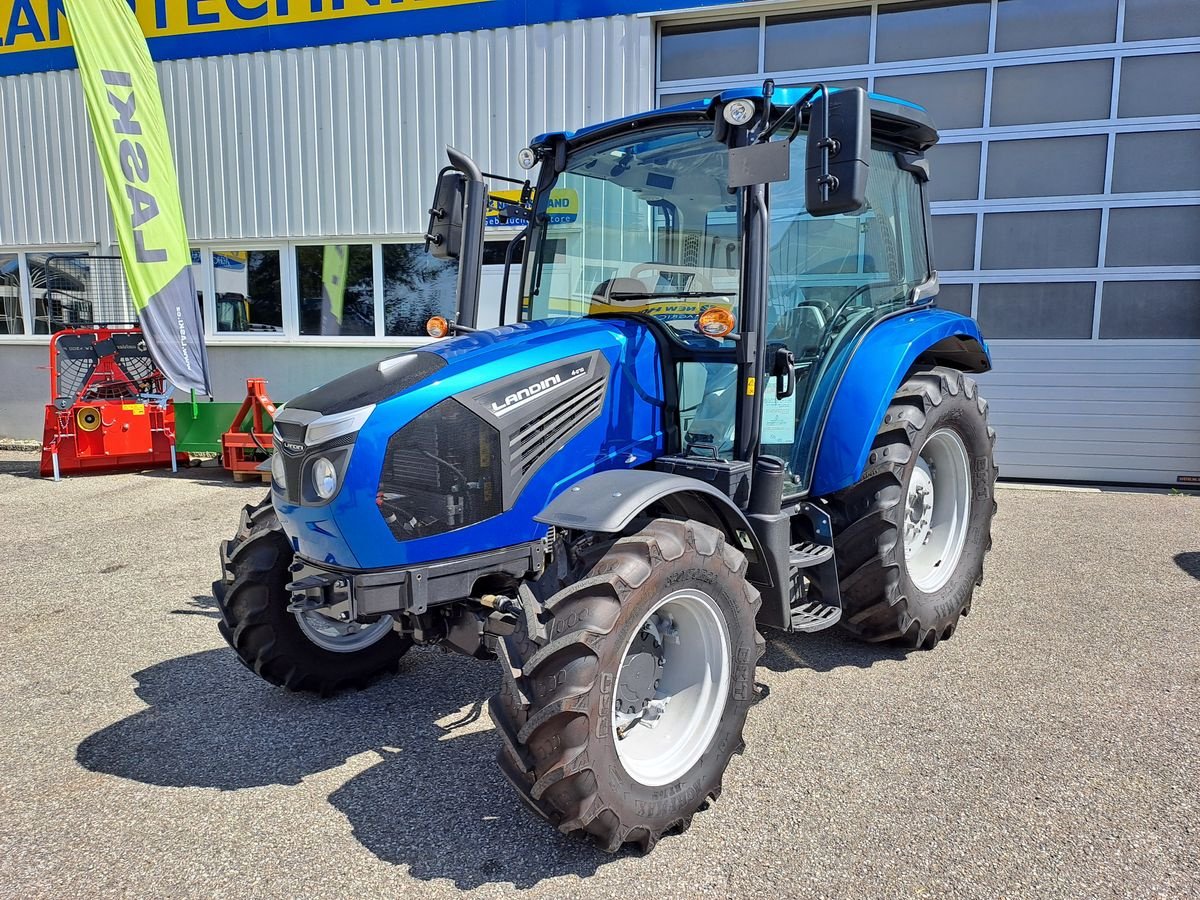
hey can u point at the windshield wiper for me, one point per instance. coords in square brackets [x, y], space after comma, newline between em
[651, 296]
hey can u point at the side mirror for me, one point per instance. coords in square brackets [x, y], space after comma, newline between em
[444, 237]
[838, 153]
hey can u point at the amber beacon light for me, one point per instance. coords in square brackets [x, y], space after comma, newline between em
[715, 322]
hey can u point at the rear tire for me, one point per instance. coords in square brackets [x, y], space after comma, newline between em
[268, 639]
[559, 712]
[914, 585]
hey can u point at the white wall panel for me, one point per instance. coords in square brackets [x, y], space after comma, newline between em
[1118, 411]
[338, 140]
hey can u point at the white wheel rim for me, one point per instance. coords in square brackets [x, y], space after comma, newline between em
[342, 637]
[693, 687]
[937, 510]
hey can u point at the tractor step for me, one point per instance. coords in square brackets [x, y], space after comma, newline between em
[815, 616]
[807, 554]
[814, 582]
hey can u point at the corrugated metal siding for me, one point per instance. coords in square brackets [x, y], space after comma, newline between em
[50, 187]
[1101, 411]
[337, 140]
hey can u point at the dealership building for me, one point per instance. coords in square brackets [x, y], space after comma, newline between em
[1066, 187]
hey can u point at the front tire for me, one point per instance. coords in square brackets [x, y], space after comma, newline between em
[911, 535]
[623, 704]
[278, 646]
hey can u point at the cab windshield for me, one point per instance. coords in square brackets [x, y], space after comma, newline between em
[643, 225]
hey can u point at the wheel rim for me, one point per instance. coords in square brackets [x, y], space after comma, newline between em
[671, 687]
[342, 637]
[937, 510]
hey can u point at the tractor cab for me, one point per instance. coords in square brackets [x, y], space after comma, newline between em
[760, 233]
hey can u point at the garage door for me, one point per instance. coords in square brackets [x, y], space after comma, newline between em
[1066, 199]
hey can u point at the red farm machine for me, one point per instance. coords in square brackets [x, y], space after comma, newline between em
[109, 406]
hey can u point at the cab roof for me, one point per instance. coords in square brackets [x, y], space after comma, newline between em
[892, 119]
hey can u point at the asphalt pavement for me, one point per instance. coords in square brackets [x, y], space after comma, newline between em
[1050, 749]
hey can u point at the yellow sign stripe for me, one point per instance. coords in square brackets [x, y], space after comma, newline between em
[42, 24]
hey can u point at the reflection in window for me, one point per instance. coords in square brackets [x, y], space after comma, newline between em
[337, 289]
[1154, 236]
[954, 99]
[1174, 155]
[416, 286]
[58, 285]
[1037, 311]
[708, 50]
[954, 242]
[1074, 91]
[1043, 239]
[927, 29]
[1167, 85]
[1047, 167]
[1029, 24]
[955, 297]
[955, 169]
[818, 40]
[1150, 310]
[11, 319]
[1147, 20]
[248, 292]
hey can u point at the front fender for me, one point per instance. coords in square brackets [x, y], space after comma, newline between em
[884, 357]
[609, 501]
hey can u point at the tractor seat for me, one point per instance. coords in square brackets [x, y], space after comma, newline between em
[604, 301]
[800, 329]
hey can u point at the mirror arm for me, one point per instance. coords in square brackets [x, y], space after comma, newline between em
[508, 260]
[795, 112]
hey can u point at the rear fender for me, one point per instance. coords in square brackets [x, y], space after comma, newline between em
[887, 353]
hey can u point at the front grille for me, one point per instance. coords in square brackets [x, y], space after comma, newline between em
[441, 472]
[537, 439]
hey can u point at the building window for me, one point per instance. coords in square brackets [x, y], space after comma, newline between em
[710, 50]
[922, 30]
[249, 297]
[416, 285]
[818, 40]
[1037, 311]
[336, 283]
[11, 319]
[1032, 24]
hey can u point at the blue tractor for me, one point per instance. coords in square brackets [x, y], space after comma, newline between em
[727, 402]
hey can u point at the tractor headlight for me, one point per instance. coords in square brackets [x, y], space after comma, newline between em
[325, 479]
[278, 471]
[739, 112]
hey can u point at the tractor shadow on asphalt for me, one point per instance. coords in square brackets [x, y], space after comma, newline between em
[1189, 562]
[435, 802]
[824, 651]
[208, 476]
[200, 605]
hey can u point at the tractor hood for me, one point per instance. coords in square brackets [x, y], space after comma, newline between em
[455, 448]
